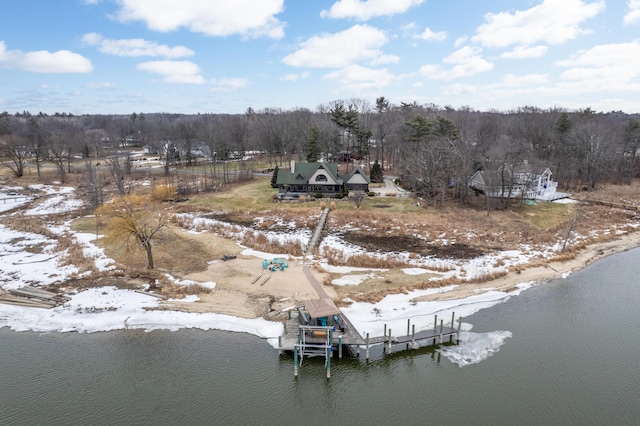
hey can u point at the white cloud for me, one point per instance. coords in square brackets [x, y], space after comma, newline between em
[429, 35]
[295, 77]
[174, 71]
[524, 80]
[248, 18]
[134, 47]
[358, 43]
[522, 52]
[357, 78]
[367, 9]
[411, 27]
[42, 61]
[226, 85]
[552, 22]
[460, 41]
[100, 85]
[608, 66]
[465, 62]
[633, 13]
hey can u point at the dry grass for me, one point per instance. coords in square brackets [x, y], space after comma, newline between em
[175, 291]
[388, 282]
[163, 192]
[618, 194]
[247, 211]
[33, 224]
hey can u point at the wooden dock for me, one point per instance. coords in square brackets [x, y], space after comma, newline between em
[311, 340]
[348, 336]
[31, 297]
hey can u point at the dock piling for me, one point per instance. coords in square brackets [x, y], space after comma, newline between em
[366, 353]
[453, 316]
[328, 362]
[435, 328]
[389, 344]
[413, 336]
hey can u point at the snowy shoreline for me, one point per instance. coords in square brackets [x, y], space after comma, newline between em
[109, 308]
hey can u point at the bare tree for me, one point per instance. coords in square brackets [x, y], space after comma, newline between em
[358, 197]
[118, 164]
[94, 183]
[37, 137]
[135, 217]
[15, 152]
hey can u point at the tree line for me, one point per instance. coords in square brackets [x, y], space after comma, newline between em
[433, 150]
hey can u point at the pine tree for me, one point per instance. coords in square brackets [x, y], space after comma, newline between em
[312, 145]
[376, 175]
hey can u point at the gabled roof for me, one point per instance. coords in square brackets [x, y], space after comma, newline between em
[303, 172]
[356, 170]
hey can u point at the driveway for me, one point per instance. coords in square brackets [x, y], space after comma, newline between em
[389, 188]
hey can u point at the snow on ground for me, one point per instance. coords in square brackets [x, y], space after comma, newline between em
[90, 250]
[109, 308]
[394, 310]
[30, 259]
[8, 202]
[352, 279]
[184, 283]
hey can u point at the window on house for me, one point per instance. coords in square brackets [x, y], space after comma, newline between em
[321, 178]
[299, 177]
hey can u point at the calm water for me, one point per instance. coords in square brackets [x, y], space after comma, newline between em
[574, 359]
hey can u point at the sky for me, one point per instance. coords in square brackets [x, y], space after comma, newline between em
[214, 56]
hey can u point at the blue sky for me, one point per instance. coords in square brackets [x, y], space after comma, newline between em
[200, 56]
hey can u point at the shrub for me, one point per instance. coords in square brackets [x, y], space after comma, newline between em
[163, 192]
[339, 196]
[372, 194]
[376, 175]
[318, 194]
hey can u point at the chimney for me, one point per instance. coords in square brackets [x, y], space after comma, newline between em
[293, 166]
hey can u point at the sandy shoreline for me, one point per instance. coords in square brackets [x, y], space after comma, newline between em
[551, 271]
[238, 295]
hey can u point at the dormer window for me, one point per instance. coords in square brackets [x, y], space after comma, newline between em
[299, 177]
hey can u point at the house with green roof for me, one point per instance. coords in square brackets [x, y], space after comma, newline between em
[319, 178]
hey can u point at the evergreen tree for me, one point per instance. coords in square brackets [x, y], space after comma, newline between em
[376, 175]
[312, 145]
[274, 178]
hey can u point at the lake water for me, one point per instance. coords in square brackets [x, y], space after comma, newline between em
[573, 359]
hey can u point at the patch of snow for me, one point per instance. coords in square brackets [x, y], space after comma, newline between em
[415, 271]
[351, 279]
[184, 283]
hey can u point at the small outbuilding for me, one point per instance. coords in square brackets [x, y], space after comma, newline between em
[322, 312]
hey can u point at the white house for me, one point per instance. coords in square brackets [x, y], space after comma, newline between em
[520, 181]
